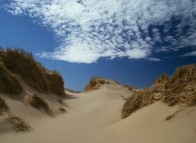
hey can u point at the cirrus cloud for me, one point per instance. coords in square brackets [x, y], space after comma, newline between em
[88, 30]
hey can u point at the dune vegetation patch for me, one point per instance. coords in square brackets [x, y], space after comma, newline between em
[55, 83]
[19, 124]
[128, 87]
[137, 101]
[3, 106]
[9, 83]
[23, 64]
[38, 102]
[179, 89]
[62, 109]
[16, 63]
[95, 83]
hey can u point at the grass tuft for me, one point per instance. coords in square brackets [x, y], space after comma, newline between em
[137, 101]
[62, 109]
[181, 87]
[3, 106]
[95, 83]
[18, 123]
[38, 102]
[9, 83]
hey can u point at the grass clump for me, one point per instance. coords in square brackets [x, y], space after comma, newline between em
[23, 64]
[18, 123]
[128, 87]
[38, 102]
[95, 83]
[55, 83]
[181, 87]
[62, 109]
[20, 63]
[161, 79]
[9, 83]
[137, 101]
[3, 106]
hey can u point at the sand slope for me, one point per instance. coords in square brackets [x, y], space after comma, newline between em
[95, 117]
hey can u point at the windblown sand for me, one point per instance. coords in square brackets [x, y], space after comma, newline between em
[95, 117]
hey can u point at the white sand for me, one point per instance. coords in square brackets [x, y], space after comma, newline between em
[95, 117]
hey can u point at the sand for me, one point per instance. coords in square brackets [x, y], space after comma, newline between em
[95, 117]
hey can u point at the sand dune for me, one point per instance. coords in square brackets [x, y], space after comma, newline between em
[95, 117]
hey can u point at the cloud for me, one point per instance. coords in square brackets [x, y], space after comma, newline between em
[193, 54]
[88, 30]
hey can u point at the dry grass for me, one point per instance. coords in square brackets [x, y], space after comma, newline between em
[55, 83]
[169, 117]
[137, 101]
[3, 106]
[179, 89]
[20, 63]
[38, 102]
[95, 83]
[128, 87]
[9, 83]
[161, 79]
[62, 109]
[18, 123]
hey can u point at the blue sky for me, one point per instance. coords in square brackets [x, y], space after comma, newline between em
[129, 41]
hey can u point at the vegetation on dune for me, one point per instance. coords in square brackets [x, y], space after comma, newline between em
[38, 102]
[22, 64]
[128, 87]
[62, 109]
[3, 106]
[137, 101]
[18, 123]
[55, 83]
[161, 79]
[9, 83]
[95, 83]
[179, 89]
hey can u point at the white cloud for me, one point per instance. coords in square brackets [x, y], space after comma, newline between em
[91, 29]
[193, 54]
[154, 59]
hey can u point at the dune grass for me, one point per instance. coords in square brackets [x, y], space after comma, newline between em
[179, 89]
[55, 83]
[161, 79]
[3, 106]
[95, 83]
[18, 123]
[20, 63]
[38, 102]
[9, 83]
[137, 101]
[128, 87]
[62, 109]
